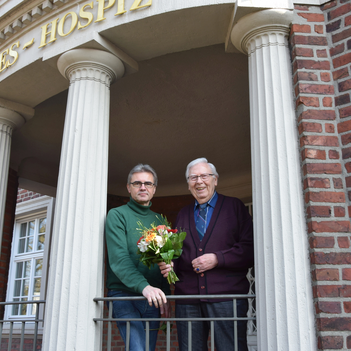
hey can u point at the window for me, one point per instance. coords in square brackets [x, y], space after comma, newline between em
[29, 256]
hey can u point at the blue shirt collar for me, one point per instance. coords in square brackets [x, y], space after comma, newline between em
[211, 202]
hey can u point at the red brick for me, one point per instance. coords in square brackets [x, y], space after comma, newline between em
[344, 126]
[316, 183]
[318, 114]
[327, 290]
[325, 77]
[348, 167]
[318, 211]
[332, 27]
[315, 89]
[333, 155]
[347, 306]
[328, 307]
[322, 168]
[345, 112]
[341, 73]
[301, 7]
[342, 99]
[336, 258]
[334, 324]
[329, 5]
[311, 64]
[313, 154]
[337, 49]
[302, 52]
[345, 85]
[342, 60]
[325, 196]
[317, 140]
[301, 28]
[348, 341]
[346, 139]
[307, 101]
[329, 128]
[330, 342]
[327, 274]
[342, 35]
[347, 20]
[344, 241]
[309, 40]
[346, 153]
[322, 53]
[341, 10]
[346, 274]
[318, 28]
[309, 76]
[331, 226]
[318, 242]
[310, 127]
[327, 101]
[339, 212]
[312, 17]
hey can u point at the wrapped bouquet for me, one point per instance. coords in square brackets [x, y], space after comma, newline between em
[160, 244]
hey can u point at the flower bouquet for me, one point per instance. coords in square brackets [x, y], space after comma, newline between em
[160, 244]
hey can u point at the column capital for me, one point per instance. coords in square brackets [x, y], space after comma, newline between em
[90, 58]
[11, 118]
[258, 23]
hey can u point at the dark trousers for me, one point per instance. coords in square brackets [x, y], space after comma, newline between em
[223, 330]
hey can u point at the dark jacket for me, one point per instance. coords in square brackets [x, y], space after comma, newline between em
[230, 236]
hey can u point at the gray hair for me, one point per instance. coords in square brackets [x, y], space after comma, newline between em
[200, 160]
[142, 168]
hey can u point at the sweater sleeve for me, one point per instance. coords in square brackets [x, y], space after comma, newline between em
[241, 255]
[119, 258]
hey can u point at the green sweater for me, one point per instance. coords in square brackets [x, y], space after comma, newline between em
[124, 269]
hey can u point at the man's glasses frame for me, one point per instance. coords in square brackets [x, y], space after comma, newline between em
[138, 184]
[204, 177]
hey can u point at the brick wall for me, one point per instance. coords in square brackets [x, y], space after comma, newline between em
[25, 195]
[5, 256]
[320, 50]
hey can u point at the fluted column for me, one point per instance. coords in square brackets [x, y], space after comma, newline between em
[285, 315]
[76, 263]
[9, 120]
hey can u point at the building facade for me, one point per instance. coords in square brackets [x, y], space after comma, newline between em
[260, 88]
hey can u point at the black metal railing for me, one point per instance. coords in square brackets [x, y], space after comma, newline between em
[15, 332]
[110, 320]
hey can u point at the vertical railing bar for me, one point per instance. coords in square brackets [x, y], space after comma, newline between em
[168, 337]
[10, 337]
[189, 336]
[109, 326]
[235, 325]
[128, 336]
[212, 335]
[147, 339]
[1, 325]
[22, 335]
[36, 327]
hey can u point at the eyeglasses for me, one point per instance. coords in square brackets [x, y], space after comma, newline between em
[137, 184]
[204, 177]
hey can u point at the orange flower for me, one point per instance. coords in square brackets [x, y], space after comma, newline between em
[150, 237]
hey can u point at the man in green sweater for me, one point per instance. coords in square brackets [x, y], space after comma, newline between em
[126, 275]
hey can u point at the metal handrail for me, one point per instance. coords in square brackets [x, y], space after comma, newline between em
[235, 319]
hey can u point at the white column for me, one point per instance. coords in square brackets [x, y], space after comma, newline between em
[76, 263]
[9, 120]
[285, 315]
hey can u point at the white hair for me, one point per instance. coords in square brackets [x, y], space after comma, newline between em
[200, 160]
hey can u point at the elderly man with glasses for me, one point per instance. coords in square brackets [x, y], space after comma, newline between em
[217, 253]
[126, 275]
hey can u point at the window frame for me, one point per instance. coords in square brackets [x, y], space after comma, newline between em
[33, 209]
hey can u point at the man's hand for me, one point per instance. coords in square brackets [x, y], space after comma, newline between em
[165, 268]
[155, 296]
[204, 263]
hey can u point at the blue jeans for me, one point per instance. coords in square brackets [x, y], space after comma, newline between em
[135, 309]
[223, 330]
